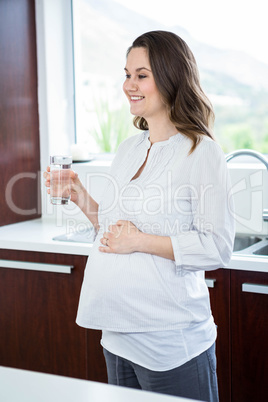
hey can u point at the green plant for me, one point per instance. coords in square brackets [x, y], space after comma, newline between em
[112, 126]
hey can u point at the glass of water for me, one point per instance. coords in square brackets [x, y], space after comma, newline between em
[60, 179]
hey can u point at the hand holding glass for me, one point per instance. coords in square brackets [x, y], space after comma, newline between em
[60, 179]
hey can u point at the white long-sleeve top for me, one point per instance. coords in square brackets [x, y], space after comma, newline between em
[181, 195]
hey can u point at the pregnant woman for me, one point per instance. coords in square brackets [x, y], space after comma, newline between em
[163, 220]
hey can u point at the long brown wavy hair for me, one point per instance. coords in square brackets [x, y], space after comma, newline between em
[177, 78]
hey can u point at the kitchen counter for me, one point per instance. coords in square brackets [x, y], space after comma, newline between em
[28, 386]
[246, 262]
[37, 235]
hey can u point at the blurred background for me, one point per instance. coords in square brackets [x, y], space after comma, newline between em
[227, 38]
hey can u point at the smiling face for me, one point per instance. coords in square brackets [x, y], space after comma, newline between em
[140, 88]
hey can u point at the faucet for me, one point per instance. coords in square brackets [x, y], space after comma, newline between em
[257, 155]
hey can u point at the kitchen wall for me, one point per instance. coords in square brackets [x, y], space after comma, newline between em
[250, 191]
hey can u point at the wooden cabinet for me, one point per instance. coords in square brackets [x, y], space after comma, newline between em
[19, 122]
[249, 323]
[219, 288]
[239, 303]
[37, 320]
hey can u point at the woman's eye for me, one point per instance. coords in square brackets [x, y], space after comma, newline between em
[140, 76]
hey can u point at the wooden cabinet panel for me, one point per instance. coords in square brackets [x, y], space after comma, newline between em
[96, 362]
[249, 322]
[220, 305]
[240, 311]
[19, 123]
[38, 312]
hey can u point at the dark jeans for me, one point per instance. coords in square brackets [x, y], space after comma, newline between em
[196, 379]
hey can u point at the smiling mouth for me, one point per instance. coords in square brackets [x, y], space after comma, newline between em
[136, 98]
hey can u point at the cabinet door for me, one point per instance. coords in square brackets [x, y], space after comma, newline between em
[96, 362]
[219, 288]
[19, 122]
[38, 312]
[249, 321]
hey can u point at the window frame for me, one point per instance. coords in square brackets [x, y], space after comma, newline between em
[55, 77]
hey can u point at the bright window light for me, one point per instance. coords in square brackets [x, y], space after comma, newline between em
[228, 39]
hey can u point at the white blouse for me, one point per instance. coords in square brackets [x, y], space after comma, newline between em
[161, 350]
[186, 197]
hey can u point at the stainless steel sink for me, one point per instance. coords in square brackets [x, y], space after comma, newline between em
[244, 241]
[262, 251]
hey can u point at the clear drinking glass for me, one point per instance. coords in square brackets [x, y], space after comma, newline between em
[60, 179]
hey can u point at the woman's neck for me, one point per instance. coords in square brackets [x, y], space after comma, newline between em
[161, 131]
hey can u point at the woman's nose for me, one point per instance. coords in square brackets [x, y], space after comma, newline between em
[130, 85]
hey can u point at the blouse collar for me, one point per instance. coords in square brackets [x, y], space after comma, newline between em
[173, 139]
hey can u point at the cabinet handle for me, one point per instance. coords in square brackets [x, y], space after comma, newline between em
[36, 266]
[250, 287]
[210, 282]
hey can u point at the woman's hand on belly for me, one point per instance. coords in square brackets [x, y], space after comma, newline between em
[122, 238]
[125, 238]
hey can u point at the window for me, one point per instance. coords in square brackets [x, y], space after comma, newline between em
[227, 39]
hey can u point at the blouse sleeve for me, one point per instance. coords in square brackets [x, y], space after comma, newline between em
[208, 244]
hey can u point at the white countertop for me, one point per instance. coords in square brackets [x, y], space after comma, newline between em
[37, 235]
[246, 262]
[27, 386]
